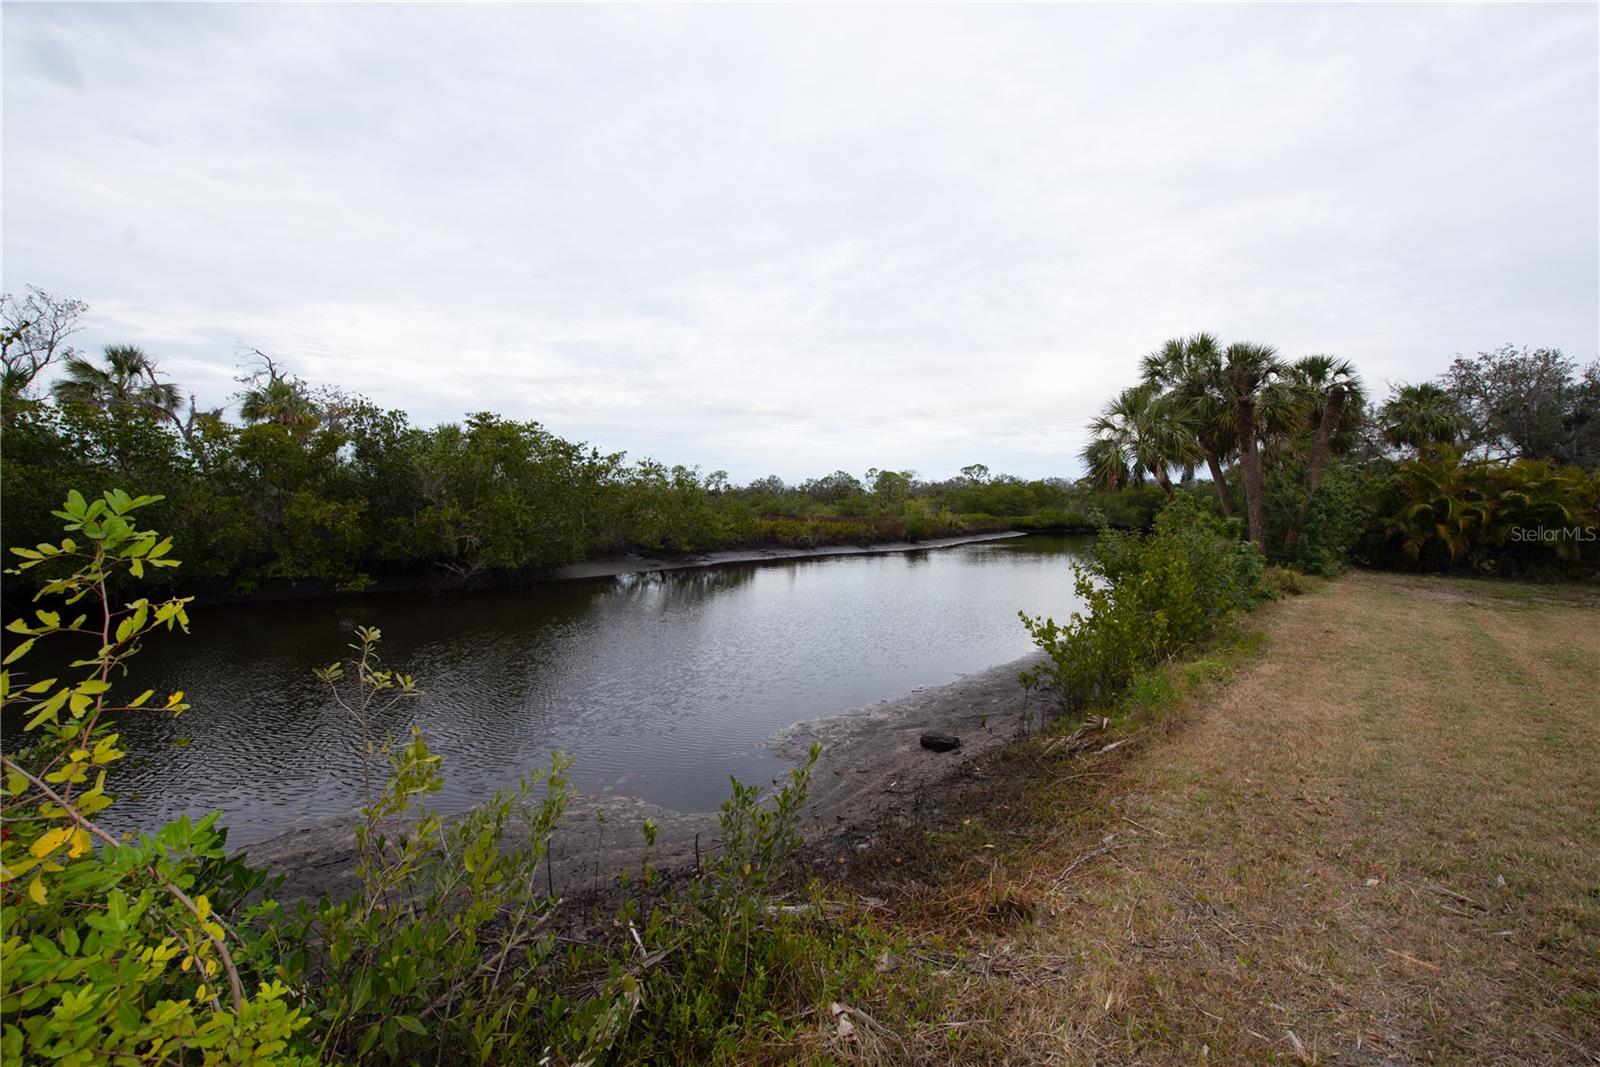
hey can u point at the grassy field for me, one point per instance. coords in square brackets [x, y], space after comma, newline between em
[1369, 833]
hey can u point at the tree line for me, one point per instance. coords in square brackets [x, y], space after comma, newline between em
[317, 484]
[1450, 472]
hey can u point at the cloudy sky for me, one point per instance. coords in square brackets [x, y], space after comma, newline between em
[790, 239]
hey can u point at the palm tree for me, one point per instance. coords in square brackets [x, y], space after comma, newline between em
[1141, 432]
[1421, 416]
[1337, 400]
[273, 396]
[128, 380]
[278, 402]
[1191, 368]
[1251, 376]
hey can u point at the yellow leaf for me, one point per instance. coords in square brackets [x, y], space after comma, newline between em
[80, 843]
[202, 907]
[48, 842]
[36, 890]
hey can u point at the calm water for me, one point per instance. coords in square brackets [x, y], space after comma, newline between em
[660, 685]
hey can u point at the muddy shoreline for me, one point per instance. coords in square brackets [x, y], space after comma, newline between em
[589, 570]
[872, 775]
[638, 563]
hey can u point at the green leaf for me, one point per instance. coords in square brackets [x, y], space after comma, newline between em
[20, 651]
[412, 1023]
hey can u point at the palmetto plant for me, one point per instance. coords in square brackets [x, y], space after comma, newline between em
[1142, 432]
[1537, 495]
[1443, 509]
[1436, 512]
[127, 380]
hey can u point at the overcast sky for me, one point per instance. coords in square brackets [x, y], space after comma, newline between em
[792, 239]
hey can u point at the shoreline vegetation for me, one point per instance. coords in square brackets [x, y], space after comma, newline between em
[1219, 813]
[315, 488]
[637, 563]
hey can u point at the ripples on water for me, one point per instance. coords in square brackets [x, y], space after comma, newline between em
[660, 685]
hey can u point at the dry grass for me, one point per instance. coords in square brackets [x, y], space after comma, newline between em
[1379, 843]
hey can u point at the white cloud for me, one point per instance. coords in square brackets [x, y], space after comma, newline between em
[798, 238]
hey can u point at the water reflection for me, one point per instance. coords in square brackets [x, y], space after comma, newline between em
[661, 685]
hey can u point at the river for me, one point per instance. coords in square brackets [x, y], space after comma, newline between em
[660, 685]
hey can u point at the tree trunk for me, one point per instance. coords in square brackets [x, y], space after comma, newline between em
[1220, 486]
[1163, 481]
[1250, 471]
[1331, 409]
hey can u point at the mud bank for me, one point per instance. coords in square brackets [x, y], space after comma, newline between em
[872, 775]
[637, 563]
[604, 567]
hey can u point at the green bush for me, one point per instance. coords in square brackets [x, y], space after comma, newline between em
[1336, 518]
[111, 951]
[1148, 598]
[1278, 582]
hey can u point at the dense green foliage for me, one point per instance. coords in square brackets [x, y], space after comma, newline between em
[1148, 597]
[1529, 517]
[351, 494]
[1467, 472]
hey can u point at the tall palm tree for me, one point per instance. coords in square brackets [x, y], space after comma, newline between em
[1337, 400]
[128, 380]
[1421, 416]
[1250, 375]
[1191, 368]
[1141, 432]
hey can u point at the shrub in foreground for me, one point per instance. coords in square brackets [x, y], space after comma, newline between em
[116, 951]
